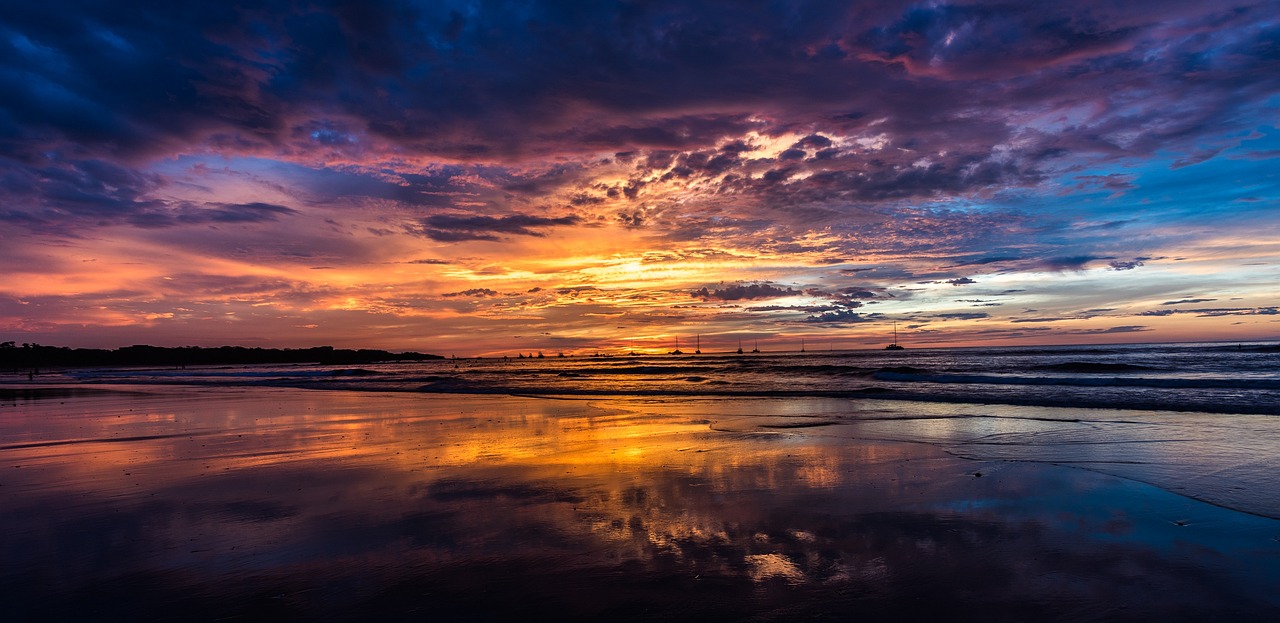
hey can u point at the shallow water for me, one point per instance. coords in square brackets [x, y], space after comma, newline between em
[209, 503]
[1215, 378]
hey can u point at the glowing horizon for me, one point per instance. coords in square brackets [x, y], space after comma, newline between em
[463, 178]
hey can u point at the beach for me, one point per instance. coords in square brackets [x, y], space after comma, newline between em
[128, 502]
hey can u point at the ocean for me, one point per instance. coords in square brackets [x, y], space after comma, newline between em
[1212, 378]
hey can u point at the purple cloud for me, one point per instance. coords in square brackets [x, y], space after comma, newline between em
[740, 292]
[451, 228]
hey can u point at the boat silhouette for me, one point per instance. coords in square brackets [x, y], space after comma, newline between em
[739, 346]
[677, 351]
[895, 345]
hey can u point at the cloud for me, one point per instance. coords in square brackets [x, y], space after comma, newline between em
[1187, 301]
[1111, 330]
[1127, 265]
[842, 316]
[808, 309]
[740, 292]
[455, 228]
[961, 281]
[1118, 183]
[330, 81]
[475, 292]
[1213, 312]
[962, 316]
[982, 261]
[1069, 263]
[1196, 158]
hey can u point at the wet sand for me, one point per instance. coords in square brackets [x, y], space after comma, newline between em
[149, 503]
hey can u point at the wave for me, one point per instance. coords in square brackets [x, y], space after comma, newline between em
[634, 370]
[1167, 383]
[1093, 367]
[901, 370]
[356, 372]
[1076, 400]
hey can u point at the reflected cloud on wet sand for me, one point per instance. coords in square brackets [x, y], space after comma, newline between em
[343, 505]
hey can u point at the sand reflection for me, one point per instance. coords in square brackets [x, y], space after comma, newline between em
[338, 504]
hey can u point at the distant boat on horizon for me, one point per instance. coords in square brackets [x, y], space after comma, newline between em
[739, 346]
[697, 348]
[757, 347]
[677, 351]
[895, 345]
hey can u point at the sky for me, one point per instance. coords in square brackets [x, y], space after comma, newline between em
[486, 178]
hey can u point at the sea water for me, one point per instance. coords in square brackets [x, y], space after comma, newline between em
[1214, 378]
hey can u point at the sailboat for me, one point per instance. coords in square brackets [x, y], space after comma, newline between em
[802, 345]
[739, 346]
[697, 348]
[757, 348]
[894, 345]
[677, 351]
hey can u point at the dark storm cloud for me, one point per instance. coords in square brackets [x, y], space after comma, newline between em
[60, 196]
[440, 77]
[453, 228]
[51, 190]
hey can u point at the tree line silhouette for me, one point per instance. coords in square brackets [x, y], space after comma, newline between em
[36, 356]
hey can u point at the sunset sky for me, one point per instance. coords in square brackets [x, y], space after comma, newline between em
[483, 178]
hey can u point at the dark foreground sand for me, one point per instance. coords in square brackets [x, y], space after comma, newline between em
[207, 504]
